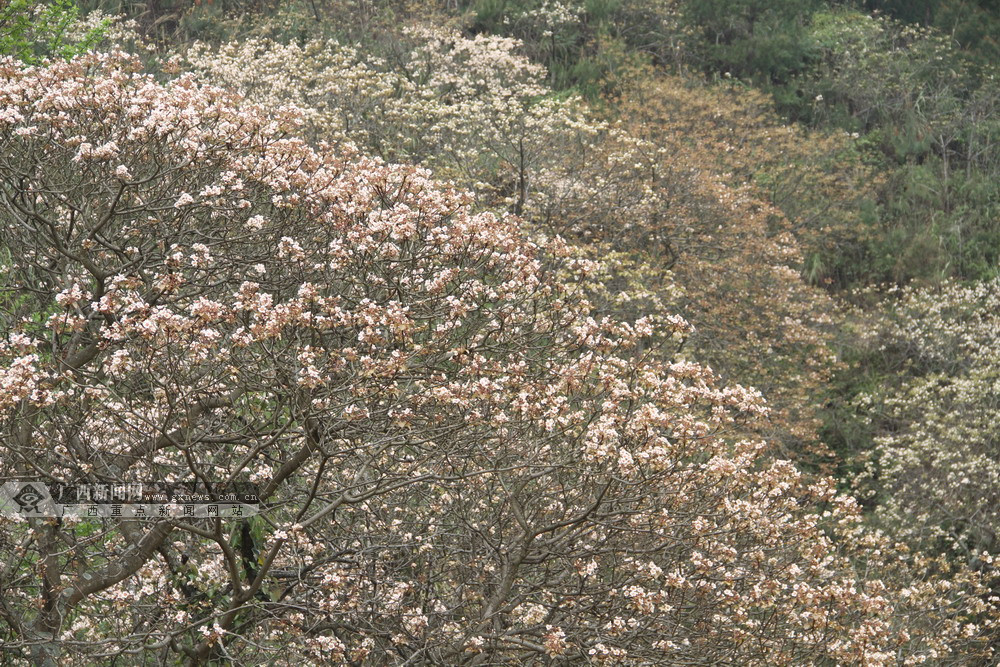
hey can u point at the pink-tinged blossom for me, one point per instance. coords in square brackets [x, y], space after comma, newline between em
[460, 455]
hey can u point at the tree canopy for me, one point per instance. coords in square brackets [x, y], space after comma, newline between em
[546, 334]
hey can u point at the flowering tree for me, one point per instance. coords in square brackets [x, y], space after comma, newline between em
[478, 112]
[340, 96]
[459, 464]
[473, 109]
[702, 182]
[936, 464]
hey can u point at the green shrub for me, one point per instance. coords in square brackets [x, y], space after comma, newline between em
[31, 30]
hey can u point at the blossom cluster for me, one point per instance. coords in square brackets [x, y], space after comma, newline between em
[474, 109]
[936, 458]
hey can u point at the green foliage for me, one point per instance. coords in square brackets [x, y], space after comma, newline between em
[32, 30]
[943, 224]
[844, 427]
[762, 40]
[973, 24]
[927, 117]
[248, 541]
